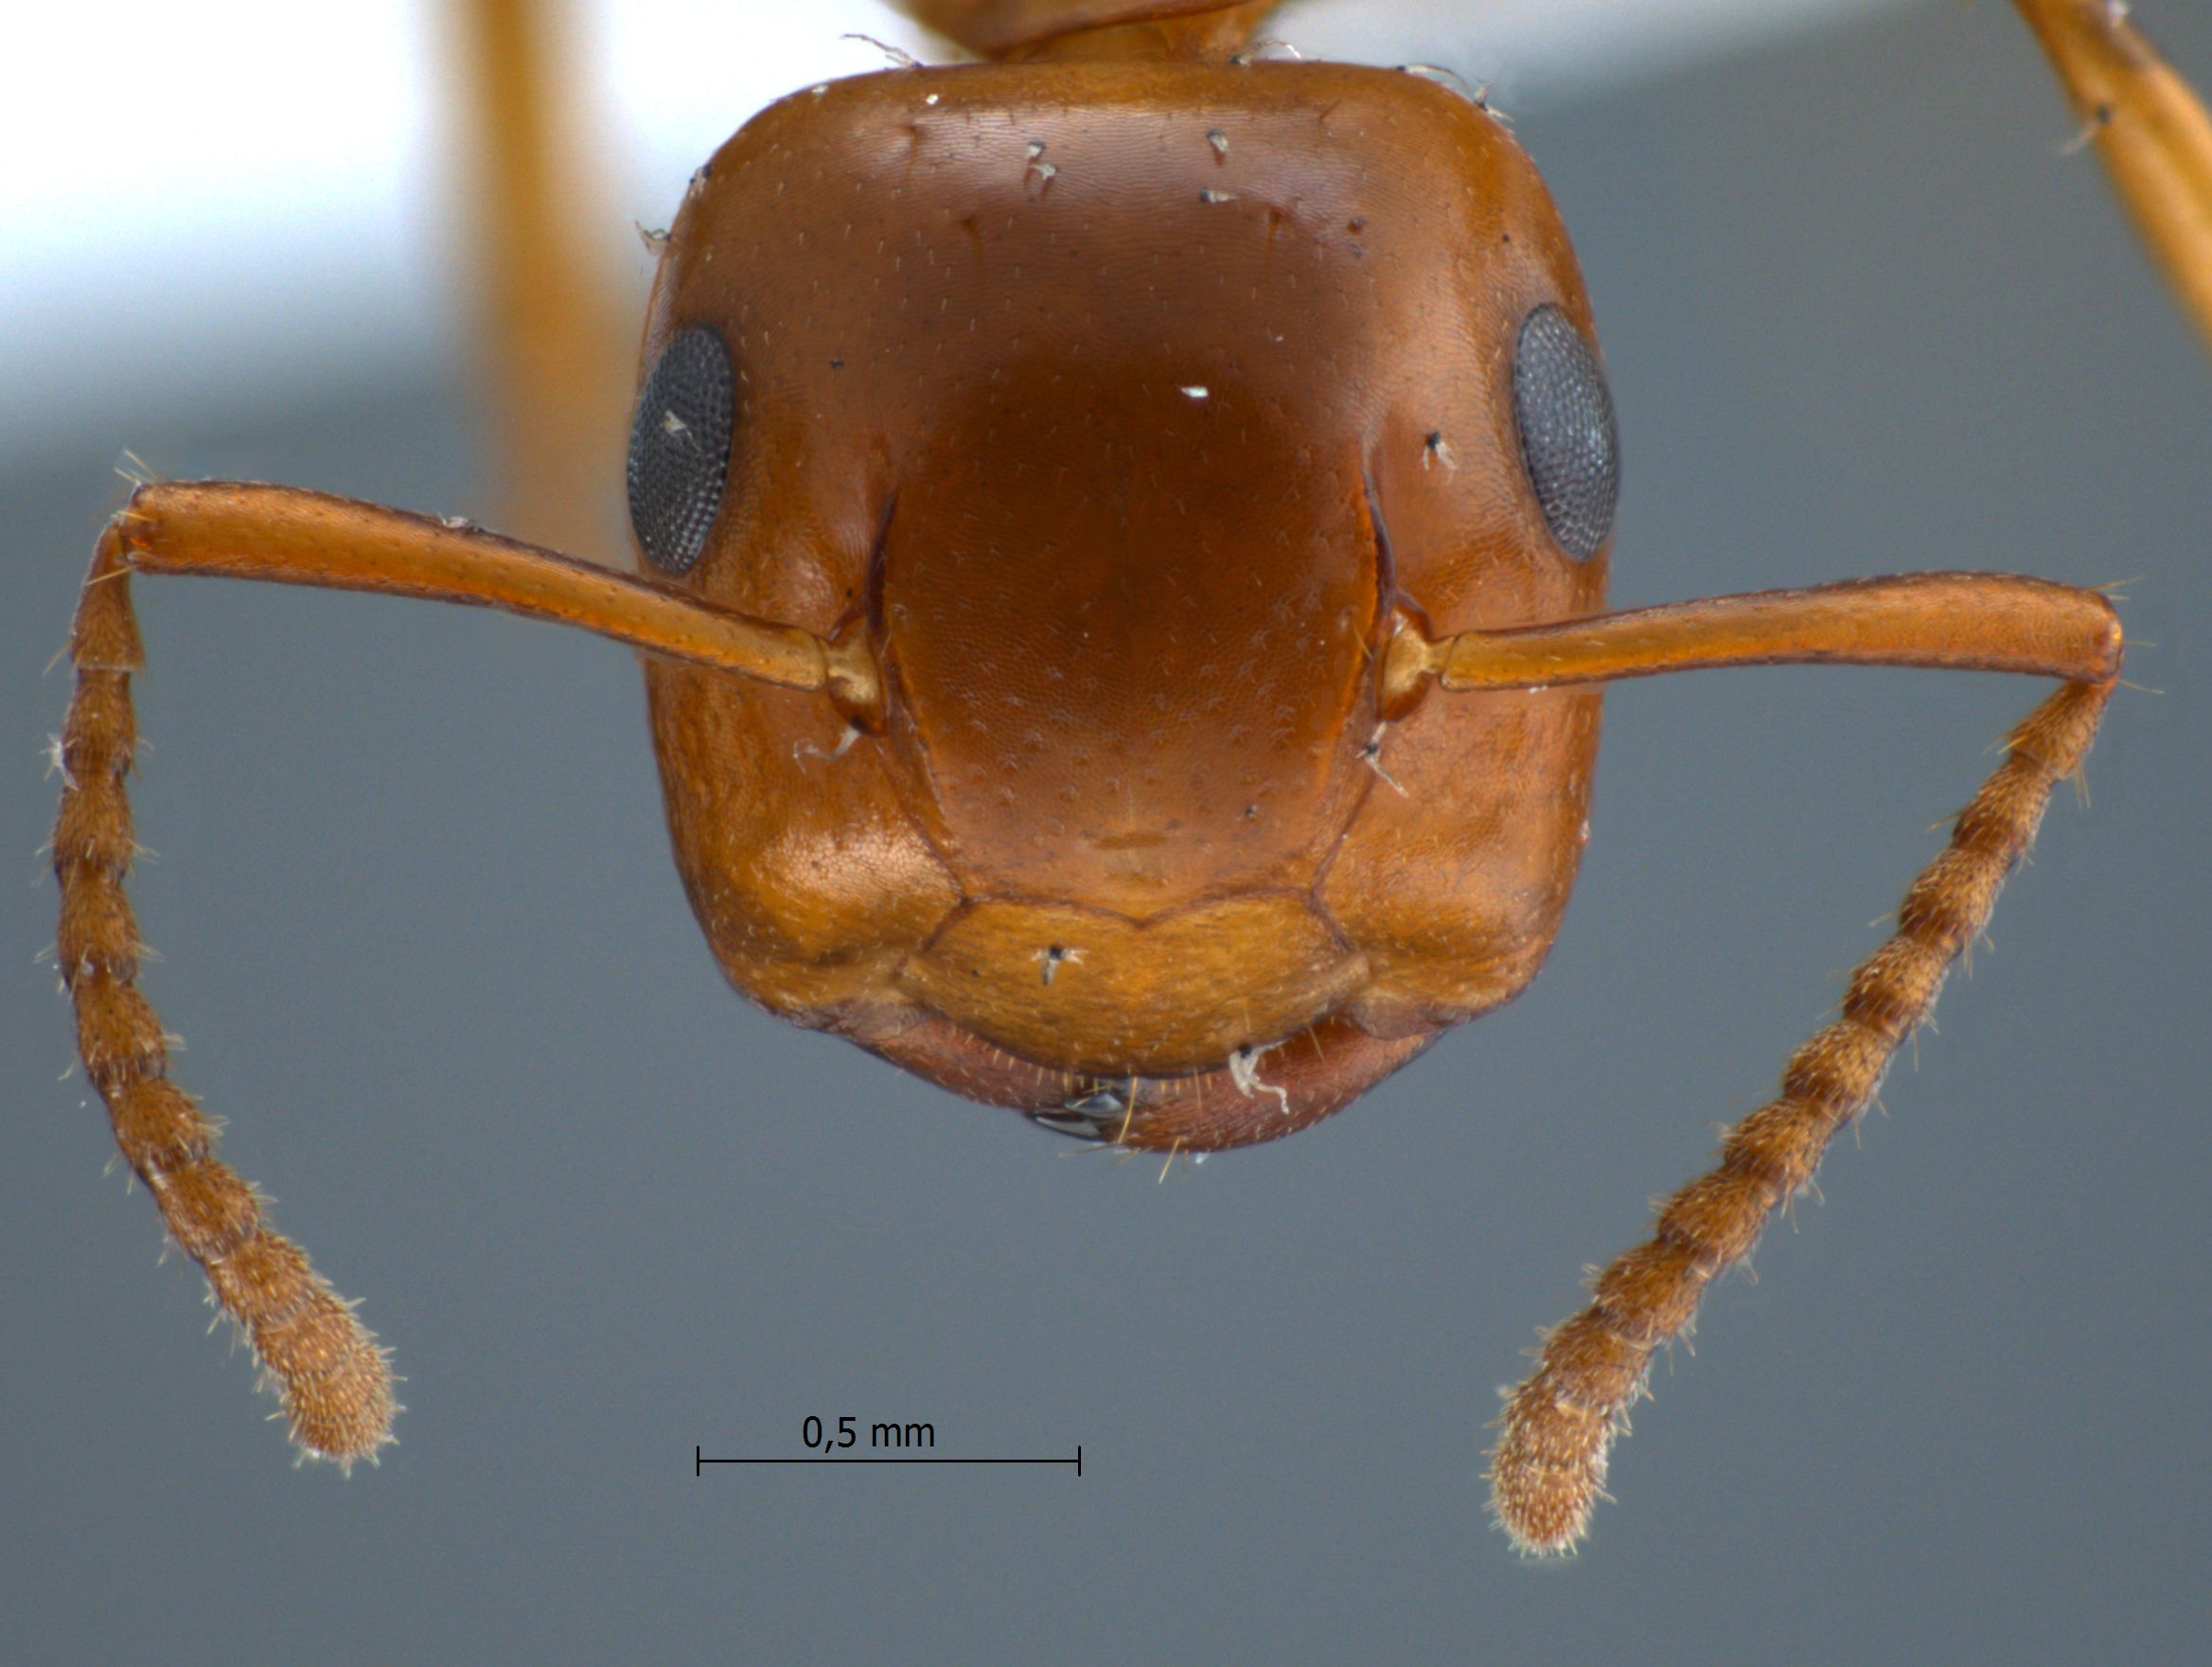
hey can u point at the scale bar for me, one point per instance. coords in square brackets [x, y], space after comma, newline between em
[699, 1461]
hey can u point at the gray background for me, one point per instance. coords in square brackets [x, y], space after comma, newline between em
[425, 941]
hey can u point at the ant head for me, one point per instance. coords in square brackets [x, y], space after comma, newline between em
[1121, 411]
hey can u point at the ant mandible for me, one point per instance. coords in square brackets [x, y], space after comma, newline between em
[1125, 531]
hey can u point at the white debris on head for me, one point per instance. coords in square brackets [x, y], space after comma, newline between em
[1243, 1070]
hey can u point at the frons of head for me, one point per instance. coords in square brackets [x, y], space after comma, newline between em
[1095, 29]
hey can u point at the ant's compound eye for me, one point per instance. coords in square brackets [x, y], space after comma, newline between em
[1567, 440]
[679, 449]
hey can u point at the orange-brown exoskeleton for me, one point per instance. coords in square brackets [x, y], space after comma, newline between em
[1123, 533]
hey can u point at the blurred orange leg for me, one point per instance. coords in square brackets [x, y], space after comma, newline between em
[2149, 128]
[559, 347]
